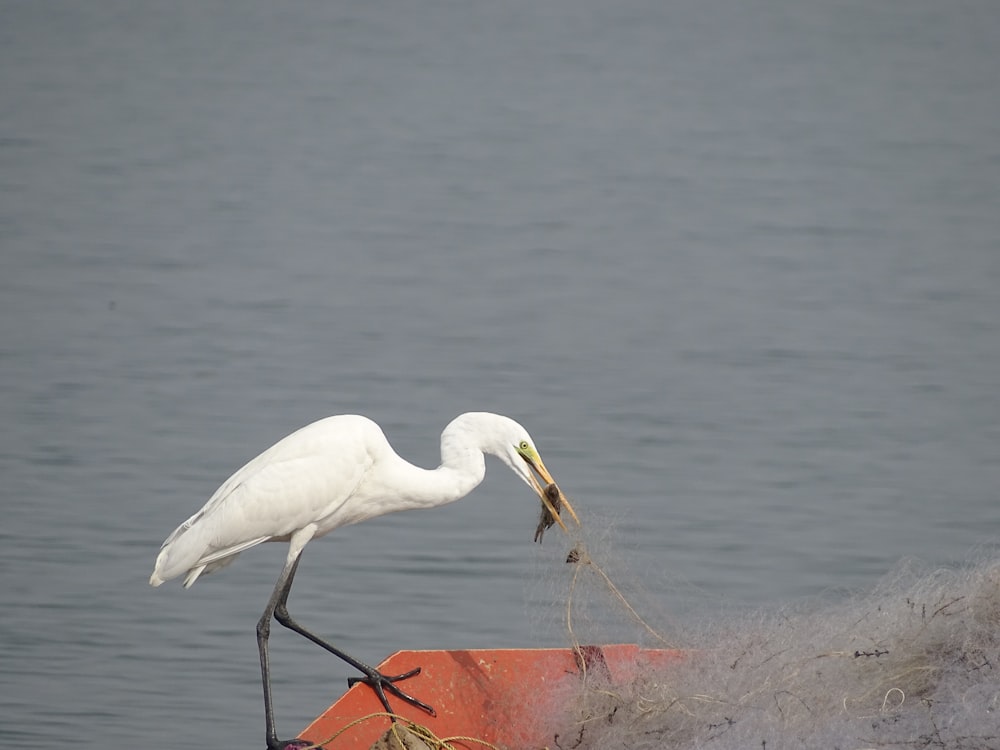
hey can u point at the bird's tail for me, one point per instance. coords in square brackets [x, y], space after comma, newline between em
[160, 568]
[189, 553]
[181, 552]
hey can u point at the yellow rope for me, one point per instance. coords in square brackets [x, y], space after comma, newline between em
[420, 730]
[351, 725]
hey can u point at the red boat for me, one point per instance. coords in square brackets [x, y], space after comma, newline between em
[508, 698]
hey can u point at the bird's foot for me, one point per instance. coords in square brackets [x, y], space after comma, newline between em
[381, 683]
[295, 744]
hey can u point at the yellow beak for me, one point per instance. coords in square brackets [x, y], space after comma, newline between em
[535, 462]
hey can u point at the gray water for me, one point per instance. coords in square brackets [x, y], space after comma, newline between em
[734, 264]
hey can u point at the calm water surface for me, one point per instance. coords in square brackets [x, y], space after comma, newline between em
[735, 265]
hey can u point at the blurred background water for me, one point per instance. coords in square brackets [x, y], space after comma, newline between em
[735, 265]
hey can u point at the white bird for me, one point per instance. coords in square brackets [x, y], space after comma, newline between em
[335, 472]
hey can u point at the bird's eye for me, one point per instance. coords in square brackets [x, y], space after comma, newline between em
[524, 445]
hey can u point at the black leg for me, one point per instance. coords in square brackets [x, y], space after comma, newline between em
[278, 609]
[379, 682]
[279, 595]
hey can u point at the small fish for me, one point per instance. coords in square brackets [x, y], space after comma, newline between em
[554, 495]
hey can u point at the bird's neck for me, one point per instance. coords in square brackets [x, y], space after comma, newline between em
[428, 488]
[462, 468]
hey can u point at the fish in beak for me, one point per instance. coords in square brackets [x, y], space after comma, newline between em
[552, 498]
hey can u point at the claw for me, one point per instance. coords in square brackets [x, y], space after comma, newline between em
[380, 683]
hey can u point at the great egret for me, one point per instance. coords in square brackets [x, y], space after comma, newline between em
[335, 472]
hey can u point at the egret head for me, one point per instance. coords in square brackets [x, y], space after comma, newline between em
[503, 437]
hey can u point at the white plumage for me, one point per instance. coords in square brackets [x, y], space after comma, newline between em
[338, 471]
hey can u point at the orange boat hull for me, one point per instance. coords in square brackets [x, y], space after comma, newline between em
[507, 697]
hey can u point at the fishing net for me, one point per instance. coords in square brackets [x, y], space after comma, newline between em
[912, 663]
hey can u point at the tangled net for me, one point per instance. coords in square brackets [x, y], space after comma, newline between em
[914, 663]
